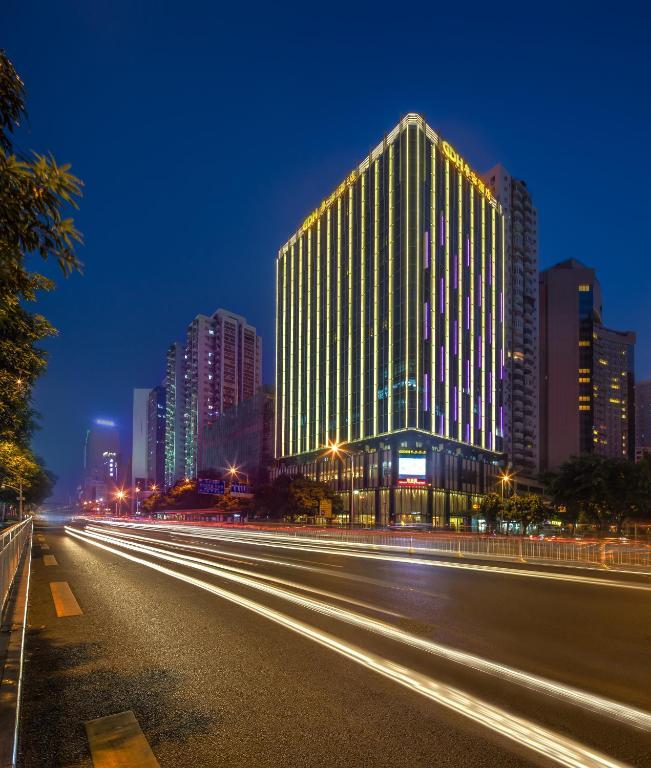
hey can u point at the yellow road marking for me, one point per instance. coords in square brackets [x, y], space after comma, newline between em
[40, 537]
[65, 603]
[45, 546]
[49, 560]
[116, 741]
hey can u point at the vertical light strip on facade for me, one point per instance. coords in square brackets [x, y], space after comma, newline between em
[337, 404]
[299, 384]
[482, 338]
[292, 252]
[390, 298]
[418, 335]
[447, 319]
[349, 356]
[494, 342]
[406, 255]
[472, 315]
[376, 292]
[362, 304]
[308, 345]
[280, 369]
[460, 363]
[433, 228]
[318, 392]
[328, 321]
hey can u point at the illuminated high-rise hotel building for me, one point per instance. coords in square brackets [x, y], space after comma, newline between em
[390, 335]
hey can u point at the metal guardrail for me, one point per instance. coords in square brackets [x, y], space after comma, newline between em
[13, 541]
[588, 552]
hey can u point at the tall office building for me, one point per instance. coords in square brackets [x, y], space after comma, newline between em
[139, 440]
[222, 367]
[156, 437]
[587, 371]
[174, 414]
[521, 411]
[643, 418]
[390, 333]
[101, 460]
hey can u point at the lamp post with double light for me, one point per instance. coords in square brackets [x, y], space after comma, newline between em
[120, 496]
[21, 498]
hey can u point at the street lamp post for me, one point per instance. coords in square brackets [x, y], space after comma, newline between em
[337, 450]
[21, 498]
[119, 498]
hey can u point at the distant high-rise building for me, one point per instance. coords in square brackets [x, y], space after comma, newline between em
[140, 433]
[587, 371]
[101, 460]
[242, 437]
[521, 416]
[174, 414]
[156, 438]
[643, 417]
[222, 367]
[390, 336]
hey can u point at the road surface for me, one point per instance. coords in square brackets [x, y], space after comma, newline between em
[240, 649]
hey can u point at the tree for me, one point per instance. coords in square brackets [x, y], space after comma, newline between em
[526, 509]
[292, 497]
[491, 507]
[35, 192]
[604, 491]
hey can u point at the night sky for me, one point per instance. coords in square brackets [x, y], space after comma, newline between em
[204, 136]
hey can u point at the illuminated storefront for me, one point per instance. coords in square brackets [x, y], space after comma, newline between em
[390, 333]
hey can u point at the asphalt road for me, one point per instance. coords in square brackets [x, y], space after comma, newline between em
[264, 651]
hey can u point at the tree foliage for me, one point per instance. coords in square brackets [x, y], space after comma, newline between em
[491, 507]
[602, 491]
[526, 509]
[292, 498]
[35, 195]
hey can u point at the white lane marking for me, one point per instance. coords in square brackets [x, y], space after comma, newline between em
[545, 742]
[629, 715]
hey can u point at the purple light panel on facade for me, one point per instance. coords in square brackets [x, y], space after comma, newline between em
[426, 388]
[442, 295]
[468, 312]
[479, 419]
[467, 433]
[489, 273]
[455, 336]
[442, 229]
[455, 273]
[441, 425]
[456, 417]
[479, 293]
[490, 387]
[501, 307]
[426, 321]
[501, 421]
[468, 374]
[479, 354]
[442, 364]
[467, 251]
[426, 250]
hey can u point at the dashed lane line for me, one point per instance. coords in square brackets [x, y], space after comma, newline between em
[65, 603]
[116, 741]
[49, 560]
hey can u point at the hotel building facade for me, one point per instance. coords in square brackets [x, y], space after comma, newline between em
[390, 335]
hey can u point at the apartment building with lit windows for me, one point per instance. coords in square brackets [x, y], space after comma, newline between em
[174, 413]
[643, 418]
[222, 365]
[390, 334]
[521, 408]
[587, 371]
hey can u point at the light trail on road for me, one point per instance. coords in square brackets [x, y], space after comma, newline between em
[542, 741]
[338, 549]
[605, 707]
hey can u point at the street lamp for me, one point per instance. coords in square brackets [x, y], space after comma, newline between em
[504, 478]
[336, 450]
[119, 498]
[21, 498]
